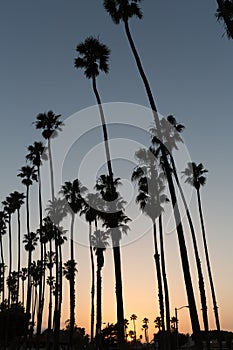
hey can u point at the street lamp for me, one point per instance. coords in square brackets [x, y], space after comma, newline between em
[176, 318]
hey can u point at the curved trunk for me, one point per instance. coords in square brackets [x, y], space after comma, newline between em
[116, 249]
[179, 227]
[92, 286]
[208, 262]
[159, 277]
[196, 253]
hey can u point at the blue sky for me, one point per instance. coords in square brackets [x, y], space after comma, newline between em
[188, 63]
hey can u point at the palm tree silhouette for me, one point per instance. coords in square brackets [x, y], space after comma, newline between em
[50, 124]
[37, 153]
[17, 201]
[23, 276]
[3, 229]
[99, 241]
[9, 209]
[30, 241]
[171, 130]
[145, 326]
[151, 199]
[72, 192]
[225, 12]
[123, 10]
[194, 174]
[133, 318]
[93, 58]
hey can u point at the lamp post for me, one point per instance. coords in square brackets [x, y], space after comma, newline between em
[176, 318]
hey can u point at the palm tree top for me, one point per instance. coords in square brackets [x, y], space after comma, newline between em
[194, 174]
[37, 153]
[93, 57]
[49, 122]
[28, 174]
[72, 192]
[122, 10]
[133, 317]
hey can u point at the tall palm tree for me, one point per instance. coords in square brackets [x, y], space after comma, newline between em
[30, 241]
[93, 58]
[17, 201]
[23, 276]
[171, 130]
[133, 318]
[3, 220]
[99, 241]
[151, 199]
[90, 209]
[194, 174]
[9, 209]
[145, 326]
[225, 12]
[123, 10]
[37, 153]
[50, 124]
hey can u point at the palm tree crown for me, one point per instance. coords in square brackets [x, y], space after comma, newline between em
[93, 57]
[50, 124]
[28, 175]
[122, 10]
[194, 174]
[36, 153]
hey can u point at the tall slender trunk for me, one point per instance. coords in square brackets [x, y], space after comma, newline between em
[197, 257]
[3, 270]
[10, 255]
[72, 281]
[19, 255]
[42, 258]
[116, 249]
[51, 169]
[92, 286]
[208, 262]
[159, 277]
[98, 298]
[28, 303]
[56, 298]
[179, 227]
[50, 289]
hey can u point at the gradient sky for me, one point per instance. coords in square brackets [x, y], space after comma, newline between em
[188, 62]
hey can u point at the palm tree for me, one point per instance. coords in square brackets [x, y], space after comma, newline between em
[194, 174]
[99, 241]
[30, 241]
[17, 201]
[37, 153]
[50, 124]
[145, 326]
[123, 10]
[12, 285]
[151, 198]
[171, 130]
[225, 13]
[133, 318]
[72, 192]
[93, 58]
[3, 220]
[23, 276]
[158, 323]
[9, 209]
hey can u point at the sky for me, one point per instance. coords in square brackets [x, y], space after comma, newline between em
[187, 59]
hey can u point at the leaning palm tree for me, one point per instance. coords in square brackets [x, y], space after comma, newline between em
[37, 153]
[99, 240]
[194, 174]
[50, 124]
[225, 13]
[93, 58]
[171, 130]
[122, 11]
[30, 241]
[17, 202]
[151, 199]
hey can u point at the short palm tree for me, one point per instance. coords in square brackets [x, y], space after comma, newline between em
[133, 318]
[122, 11]
[30, 241]
[151, 199]
[195, 176]
[99, 241]
[50, 124]
[73, 192]
[37, 153]
[17, 202]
